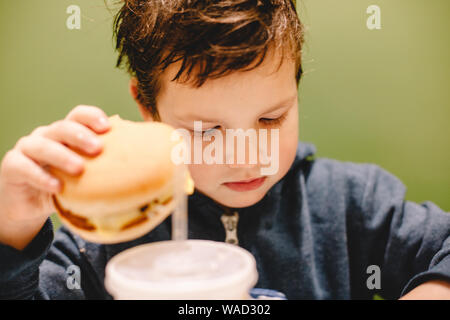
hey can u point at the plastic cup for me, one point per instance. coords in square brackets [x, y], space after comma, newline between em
[182, 270]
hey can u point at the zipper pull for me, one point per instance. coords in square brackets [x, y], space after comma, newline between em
[230, 222]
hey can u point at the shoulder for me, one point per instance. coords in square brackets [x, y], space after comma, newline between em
[345, 180]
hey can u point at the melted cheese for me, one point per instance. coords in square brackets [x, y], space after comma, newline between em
[189, 185]
[114, 222]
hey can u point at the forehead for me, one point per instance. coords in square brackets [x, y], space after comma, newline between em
[254, 90]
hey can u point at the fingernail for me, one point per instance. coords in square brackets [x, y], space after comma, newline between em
[103, 122]
[54, 183]
[77, 163]
[94, 143]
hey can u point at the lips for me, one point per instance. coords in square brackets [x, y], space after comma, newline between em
[245, 185]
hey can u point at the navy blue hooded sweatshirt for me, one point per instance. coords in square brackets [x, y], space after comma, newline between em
[316, 234]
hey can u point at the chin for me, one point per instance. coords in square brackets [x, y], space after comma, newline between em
[241, 199]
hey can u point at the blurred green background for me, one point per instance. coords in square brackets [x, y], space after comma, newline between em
[378, 96]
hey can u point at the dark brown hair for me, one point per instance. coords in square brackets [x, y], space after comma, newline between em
[218, 36]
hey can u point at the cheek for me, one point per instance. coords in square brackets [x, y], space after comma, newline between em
[289, 141]
[288, 149]
[204, 175]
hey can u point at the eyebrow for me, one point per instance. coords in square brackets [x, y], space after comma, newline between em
[276, 106]
[282, 103]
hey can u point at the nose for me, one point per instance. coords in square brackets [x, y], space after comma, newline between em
[241, 166]
[247, 154]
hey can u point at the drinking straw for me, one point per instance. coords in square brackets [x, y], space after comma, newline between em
[180, 215]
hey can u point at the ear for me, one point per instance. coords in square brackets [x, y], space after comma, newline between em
[146, 115]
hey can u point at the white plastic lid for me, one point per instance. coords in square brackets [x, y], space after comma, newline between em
[191, 269]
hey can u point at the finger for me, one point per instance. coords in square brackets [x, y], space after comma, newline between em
[23, 169]
[90, 116]
[46, 151]
[74, 135]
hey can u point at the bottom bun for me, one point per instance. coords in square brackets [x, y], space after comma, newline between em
[154, 217]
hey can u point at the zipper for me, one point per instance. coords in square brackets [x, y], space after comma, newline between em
[230, 222]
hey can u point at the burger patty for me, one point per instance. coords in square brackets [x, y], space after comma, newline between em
[76, 220]
[135, 222]
[85, 224]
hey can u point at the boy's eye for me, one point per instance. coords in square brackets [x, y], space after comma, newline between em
[208, 131]
[276, 121]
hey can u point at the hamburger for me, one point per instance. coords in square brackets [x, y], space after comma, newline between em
[126, 190]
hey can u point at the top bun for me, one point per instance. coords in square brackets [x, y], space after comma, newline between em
[134, 166]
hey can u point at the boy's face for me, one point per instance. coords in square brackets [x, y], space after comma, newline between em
[240, 100]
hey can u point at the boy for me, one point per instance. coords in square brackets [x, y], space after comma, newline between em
[315, 226]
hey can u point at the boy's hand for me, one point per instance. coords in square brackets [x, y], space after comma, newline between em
[431, 290]
[25, 184]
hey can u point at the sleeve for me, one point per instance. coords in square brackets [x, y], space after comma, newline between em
[50, 267]
[409, 242]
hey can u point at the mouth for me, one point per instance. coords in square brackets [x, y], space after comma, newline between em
[245, 185]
